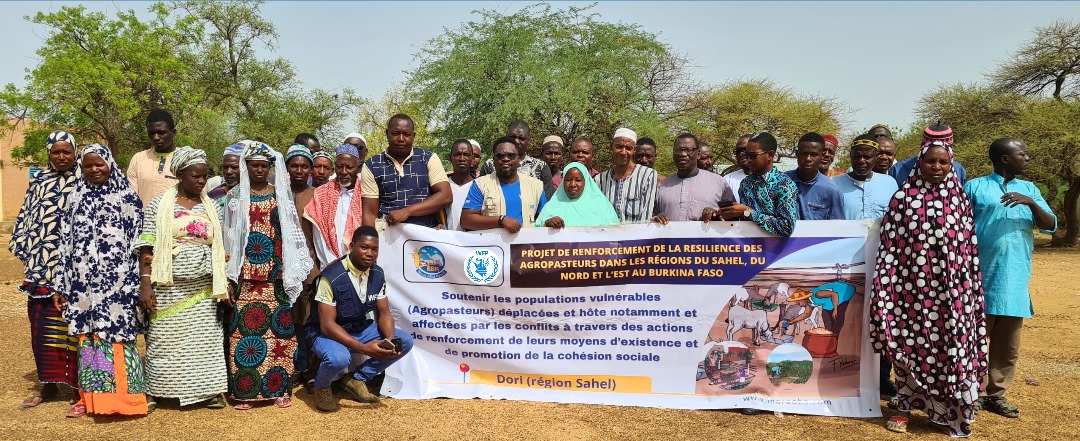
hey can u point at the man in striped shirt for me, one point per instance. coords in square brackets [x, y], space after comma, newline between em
[629, 187]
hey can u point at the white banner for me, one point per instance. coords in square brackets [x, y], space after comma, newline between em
[682, 316]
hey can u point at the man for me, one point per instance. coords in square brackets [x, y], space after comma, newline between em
[866, 194]
[506, 199]
[298, 163]
[1005, 210]
[335, 211]
[149, 170]
[819, 199]
[352, 315]
[886, 156]
[230, 172]
[734, 179]
[879, 131]
[705, 157]
[940, 132]
[581, 150]
[645, 154]
[322, 168]
[552, 152]
[477, 157]
[310, 141]
[536, 168]
[692, 193]
[404, 184]
[630, 188]
[769, 196]
[828, 156]
[461, 178]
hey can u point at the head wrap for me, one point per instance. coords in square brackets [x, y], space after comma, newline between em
[554, 138]
[322, 154]
[299, 150]
[625, 133]
[940, 132]
[185, 157]
[236, 149]
[257, 151]
[831, 139]
[590, 209]
[347, 149]
[354, 135]
[59, 136]
[475, 144]
[100, 274]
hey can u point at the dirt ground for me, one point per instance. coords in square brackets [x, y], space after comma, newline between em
[1046, 380]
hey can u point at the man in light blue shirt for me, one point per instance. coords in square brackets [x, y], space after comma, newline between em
[866, 194]
[1005, 210]
[819, 199]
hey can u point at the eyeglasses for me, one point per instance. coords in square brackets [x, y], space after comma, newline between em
[510, 156]
[753, 155]
[684, 150]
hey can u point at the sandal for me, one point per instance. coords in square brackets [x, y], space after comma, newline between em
[32, 401]
[217, 402]
[897, 424]
[1001, 406]
[242, 406]
[893, 403]
[283, 402]
[151, 406]
[76, 411]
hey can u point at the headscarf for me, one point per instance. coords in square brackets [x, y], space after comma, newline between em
[590, 209]
[161, 270]
[235, 149]
[299, 150]
[322, 209]
[35, 240]
[347, 149]
[294, 252]
[100, 277]
[928, 275]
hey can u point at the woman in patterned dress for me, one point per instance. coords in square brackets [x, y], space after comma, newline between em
[35, 241]
[268, 266]
[927, 312]
[182, 276]
[100, 286]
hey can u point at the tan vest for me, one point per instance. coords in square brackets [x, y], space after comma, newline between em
[495, 204]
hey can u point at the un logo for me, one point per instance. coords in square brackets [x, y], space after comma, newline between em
[482, 267]
[429, 262]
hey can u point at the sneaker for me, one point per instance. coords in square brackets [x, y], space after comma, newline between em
[325, 401]
[358, 390]
[1000, 406]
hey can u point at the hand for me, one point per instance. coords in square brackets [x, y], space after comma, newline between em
[397, 216]
[148, 259]
[230, 299]
[708, 214]
[512, 225]
[373, 350]
[227, 256]
[834, 314]
[147, 298]
[554, 222]
[59, 302]
[1013, 199]
[660, 219]
[733, 212]
[440, 227]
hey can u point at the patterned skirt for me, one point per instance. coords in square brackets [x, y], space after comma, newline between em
[956, 414]
[54, 350]
[111, 377]
[184, 354]
[262, 342]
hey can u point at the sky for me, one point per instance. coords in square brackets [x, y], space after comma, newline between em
[878, 58]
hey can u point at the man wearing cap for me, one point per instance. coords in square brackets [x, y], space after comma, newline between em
[335, 210]
[630, 188]
[298, 161]
[476, 159]
[531, 166]
[1006, 209]
[866, 194]
[230, 173]
[829, 155]
[404, 184]
[552, 153]
[937, 133]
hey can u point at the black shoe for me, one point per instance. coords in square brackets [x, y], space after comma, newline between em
[750, 412]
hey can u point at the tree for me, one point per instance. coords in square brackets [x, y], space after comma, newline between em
[372, 117]
[562, 70]
[1050, 61]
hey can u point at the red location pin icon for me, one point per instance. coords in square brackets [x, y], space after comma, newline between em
[464, 368]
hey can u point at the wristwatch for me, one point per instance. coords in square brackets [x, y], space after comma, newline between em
[501, 221]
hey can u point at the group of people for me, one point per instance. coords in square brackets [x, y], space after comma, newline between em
[268, 277]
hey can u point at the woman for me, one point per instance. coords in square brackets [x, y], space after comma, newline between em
[577, 203]
[927, 311]
[100, 286]
[268, 266]
[35, 241]
[182, 273]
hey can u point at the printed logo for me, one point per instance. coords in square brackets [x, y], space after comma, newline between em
[429, 262]
[482, 266]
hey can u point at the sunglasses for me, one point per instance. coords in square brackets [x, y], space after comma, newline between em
[753, 155]
[510, 156]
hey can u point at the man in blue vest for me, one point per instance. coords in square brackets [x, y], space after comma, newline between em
[352, 315]
[404, 184]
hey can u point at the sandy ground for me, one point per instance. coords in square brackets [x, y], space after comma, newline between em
[1050, 359]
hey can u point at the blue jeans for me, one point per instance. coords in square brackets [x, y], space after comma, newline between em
[334, 357]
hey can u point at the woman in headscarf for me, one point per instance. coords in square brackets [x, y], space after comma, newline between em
[182, 274]
[35, 241]
[100, 286]
[927, 312]
[577, 203]
[268, 266]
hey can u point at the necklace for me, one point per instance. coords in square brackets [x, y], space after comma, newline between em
[190, 199]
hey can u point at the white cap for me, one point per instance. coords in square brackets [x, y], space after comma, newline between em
[624, 132]
[354, 135]
[474, 143]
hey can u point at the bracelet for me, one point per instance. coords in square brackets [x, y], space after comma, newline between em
[144, 275]
[501, 221]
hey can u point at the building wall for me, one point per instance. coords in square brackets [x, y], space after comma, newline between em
[13, 179]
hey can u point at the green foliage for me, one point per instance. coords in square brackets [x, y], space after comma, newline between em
[1050, 61]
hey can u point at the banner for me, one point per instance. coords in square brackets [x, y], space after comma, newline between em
[688, 315]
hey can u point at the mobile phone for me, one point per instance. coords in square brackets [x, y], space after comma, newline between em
[397, 344]
[387, 344]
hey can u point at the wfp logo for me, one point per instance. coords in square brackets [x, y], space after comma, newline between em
[429, 262]
[482, 266]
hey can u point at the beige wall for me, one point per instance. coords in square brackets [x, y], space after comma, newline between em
[13, 179]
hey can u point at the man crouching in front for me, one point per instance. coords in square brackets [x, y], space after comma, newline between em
[353, 316]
